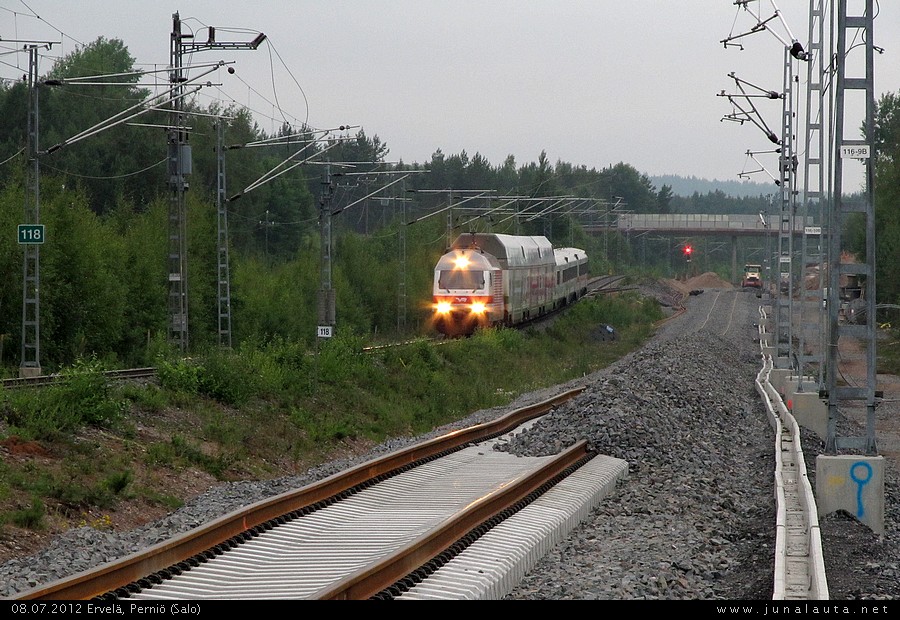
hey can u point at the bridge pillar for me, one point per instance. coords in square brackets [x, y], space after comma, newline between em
[734, 272]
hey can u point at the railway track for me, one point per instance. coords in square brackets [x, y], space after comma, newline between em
[430, 545]
[597, 286]
[348, 536]
[128, 374]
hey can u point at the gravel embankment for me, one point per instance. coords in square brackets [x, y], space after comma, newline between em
[696, 518]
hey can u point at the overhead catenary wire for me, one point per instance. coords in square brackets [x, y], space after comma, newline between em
[752, 155]
[380, 189]
[762, 25]
[268, 176]
[753, 114]
[121, 117]
[105, 178]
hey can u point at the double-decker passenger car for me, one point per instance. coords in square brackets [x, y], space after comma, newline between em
[488, 279]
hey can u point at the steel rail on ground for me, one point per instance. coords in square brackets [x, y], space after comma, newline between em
[209, 539]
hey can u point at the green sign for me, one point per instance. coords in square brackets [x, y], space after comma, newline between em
[31, 233]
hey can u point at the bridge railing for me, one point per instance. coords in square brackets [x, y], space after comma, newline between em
[700, 222]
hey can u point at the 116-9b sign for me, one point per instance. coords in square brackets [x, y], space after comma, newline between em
[31, 233]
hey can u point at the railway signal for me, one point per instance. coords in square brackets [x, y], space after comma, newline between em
[688, 251]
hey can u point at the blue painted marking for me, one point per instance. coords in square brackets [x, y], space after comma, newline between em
[860, 483]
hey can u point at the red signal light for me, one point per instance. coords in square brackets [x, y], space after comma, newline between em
[688, 249]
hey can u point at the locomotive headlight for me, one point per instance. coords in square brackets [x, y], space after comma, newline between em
[443, 307]
[478, 307]
[461, 261]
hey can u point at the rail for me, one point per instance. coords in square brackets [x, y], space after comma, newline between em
[204, 540]
[369, 581]
[51, 379]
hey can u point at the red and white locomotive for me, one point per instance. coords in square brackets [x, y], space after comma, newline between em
[488, 279]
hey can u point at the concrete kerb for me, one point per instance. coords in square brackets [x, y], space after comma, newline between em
[852, 483]
[778, 412]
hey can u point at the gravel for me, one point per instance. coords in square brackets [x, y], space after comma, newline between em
[695, 520]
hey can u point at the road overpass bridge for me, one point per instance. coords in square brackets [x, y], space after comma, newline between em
[702, 224]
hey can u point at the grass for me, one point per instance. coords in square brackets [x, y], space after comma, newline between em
[267, 410]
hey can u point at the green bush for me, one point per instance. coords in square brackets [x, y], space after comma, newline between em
[148, 397]
[117, 482]
[181, 451]
[83, 396]
[181, 375]
[227, 377]
[86, 394]
[79, 496]
[160, 454]
[340, 359]
[32, 517]
[322, 428]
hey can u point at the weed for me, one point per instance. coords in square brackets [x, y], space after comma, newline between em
[98, 523]
[162, 499]
[118, 481]
[182, 375]
[160, 454]
[32, 518]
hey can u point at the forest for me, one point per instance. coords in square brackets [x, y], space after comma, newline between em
[104, 198]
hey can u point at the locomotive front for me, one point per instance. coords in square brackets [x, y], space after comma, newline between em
[464, 285]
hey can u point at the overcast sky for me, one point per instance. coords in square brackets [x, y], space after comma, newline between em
[592, 83]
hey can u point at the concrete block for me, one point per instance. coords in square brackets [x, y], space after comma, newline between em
[26, 372]
[808, 410]
[852, 483]
[778, 378]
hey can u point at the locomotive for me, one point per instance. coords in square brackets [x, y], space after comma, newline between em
[488, 279]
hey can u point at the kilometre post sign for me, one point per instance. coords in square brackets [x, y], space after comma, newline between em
[31, 233]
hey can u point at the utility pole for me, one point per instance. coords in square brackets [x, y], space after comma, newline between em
[31, 234]
[327, 312]
[326, 292]
[224, 274]
[854, 27]
[179, 166]
[787, 165]
[815, 196]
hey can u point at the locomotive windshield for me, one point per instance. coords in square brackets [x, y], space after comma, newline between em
[461, 279]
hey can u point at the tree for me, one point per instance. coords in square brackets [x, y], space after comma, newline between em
[107, 164]
[664, 199]
[82, 285]
[624, 180]
[886, 138]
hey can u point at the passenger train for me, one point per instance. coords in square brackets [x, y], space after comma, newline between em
[488, 279]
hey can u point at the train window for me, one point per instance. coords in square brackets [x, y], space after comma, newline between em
[461, 279]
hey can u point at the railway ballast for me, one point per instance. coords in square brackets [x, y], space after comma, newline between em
[695, 519]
